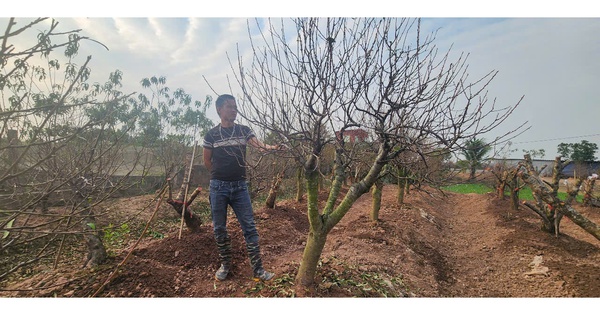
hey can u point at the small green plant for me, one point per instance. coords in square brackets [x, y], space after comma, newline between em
[282, 286]
[8, 226]
[116, 236]
[255, 289]
[156, 234]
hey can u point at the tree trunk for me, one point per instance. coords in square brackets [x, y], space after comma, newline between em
[316, 235]
[96, 254]
[514, 193]
[588, 188]
[502, 176]
[400, 193]
[377, 191]
[500, 190]
[44, 203]
[582, 221]
[192, 221]
[270, 202]
[321, 182]
[402, 183]
[546, 195]
[299, 185]
[548, 221]
[96, 251]
[310, 258]
[321, 224]
[514, 199]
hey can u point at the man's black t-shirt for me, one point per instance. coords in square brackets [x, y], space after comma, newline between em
[228, 147]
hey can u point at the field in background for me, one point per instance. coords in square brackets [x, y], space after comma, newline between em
[482, 188]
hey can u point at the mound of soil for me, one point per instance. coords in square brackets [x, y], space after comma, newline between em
[432, 246]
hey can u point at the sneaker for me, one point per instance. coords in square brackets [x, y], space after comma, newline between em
[222, 273]
[263, 275]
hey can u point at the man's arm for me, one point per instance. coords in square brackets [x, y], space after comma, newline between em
[207, 155]
[261, 146]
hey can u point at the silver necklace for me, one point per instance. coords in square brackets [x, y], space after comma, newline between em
[221, 131]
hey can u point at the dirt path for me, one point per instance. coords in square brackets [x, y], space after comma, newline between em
[497, 252]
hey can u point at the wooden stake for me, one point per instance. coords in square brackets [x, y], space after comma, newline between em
[187, 186]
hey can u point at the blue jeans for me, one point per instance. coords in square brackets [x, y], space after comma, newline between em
[234, 193]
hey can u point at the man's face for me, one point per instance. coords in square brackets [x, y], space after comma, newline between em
[229, 110]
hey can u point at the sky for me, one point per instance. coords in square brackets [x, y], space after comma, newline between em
[547, 56]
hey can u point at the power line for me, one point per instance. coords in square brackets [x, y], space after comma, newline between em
[565, 138]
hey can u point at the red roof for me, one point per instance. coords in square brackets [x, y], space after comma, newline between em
[354, 135]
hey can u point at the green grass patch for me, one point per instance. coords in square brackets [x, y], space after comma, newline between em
[526, 194]
[478, 188]
[468, 188]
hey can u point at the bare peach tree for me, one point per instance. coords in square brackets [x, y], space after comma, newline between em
[381, 75]
[587, 189]
[507, 177]
[63, 141]
[547, 205]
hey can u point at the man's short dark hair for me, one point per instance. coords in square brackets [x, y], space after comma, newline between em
[222, 98]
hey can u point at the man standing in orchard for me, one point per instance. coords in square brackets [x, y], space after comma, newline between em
[224, 151]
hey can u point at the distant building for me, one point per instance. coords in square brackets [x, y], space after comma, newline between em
[353, 135]
[581, 169]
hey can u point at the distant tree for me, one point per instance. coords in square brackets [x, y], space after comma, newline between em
[170, 123]
[564, 149]
[579, 154]
[584, 151]
[535, 153]
[474, 151]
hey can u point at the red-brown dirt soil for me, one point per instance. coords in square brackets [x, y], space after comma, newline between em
[458, 245]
